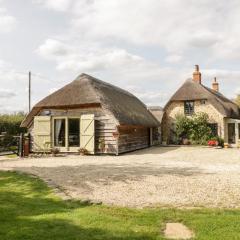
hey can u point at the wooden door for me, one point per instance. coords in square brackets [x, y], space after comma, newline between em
[87, 132]
[42, 133]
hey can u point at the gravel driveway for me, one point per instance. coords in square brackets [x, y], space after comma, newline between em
[166, 176]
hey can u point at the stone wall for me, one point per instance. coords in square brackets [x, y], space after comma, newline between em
[176, 108]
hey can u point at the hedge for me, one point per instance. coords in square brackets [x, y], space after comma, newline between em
[10, 123]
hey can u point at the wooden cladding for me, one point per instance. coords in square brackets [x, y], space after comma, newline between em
[131, 138]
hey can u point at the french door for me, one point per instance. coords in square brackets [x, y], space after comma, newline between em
[66, 133]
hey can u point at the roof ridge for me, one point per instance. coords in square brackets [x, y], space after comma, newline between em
[218, 94]
[94, 79]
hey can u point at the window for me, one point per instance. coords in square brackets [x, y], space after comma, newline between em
[189, 107]
[73, 132]
[59, 132]
[203, 102]
[214, 129]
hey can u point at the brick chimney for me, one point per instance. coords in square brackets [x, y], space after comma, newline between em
[197, 75]
[215, 85]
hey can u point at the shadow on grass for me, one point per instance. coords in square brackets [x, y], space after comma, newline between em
[29, 211]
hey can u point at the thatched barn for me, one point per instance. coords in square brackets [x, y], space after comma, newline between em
[93, 115]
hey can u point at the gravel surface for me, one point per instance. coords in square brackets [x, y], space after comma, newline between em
[165, 176]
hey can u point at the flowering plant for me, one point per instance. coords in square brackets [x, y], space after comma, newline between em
[212, 143]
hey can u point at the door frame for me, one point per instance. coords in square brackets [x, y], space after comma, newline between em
[66, 148]
[233, 134]
[237, 133]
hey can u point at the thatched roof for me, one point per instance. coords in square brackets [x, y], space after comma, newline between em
[191, 90]
[88, 91]
[157, 112]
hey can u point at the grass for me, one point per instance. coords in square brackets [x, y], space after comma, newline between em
[30, 210]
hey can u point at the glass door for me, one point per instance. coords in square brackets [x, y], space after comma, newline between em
[60, 133]
[66, 134]
[73, 134]
[231, 133]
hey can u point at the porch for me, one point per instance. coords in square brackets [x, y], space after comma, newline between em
[232, 132]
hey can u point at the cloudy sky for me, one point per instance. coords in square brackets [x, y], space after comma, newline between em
[148, 47]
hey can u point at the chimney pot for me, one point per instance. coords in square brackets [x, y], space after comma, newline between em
[197, 75]
[215, 85]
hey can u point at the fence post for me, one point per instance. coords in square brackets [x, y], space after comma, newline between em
[26, 145]
[20, 145]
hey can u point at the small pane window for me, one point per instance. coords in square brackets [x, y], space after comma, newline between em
[189, 107]
[203, 102]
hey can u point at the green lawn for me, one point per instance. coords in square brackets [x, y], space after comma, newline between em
[29, 210]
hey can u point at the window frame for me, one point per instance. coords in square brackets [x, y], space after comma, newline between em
[66, 147]
[214, 129]
[68, 132]
[189, 110]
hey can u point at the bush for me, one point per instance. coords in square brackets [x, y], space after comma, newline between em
[212, 143]
[195, 129]
[10, 126]
[10, 123]
[55, 151]
[218, 140]
[83, 151]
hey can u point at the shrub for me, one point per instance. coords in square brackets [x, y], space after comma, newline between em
[83, 151]
[10, 123]
[212, 143]
[55, 151]
[183, 126]
[10, 126]
[219, 141]
[195, 129]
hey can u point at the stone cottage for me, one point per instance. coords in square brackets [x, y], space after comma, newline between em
[194, 97]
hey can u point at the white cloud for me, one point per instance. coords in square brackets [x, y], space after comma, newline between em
[7, 22]
[57, 5]
[14, 85]
[80, 59]
[223, 74]
[52, 49]
[174, 58]
[175, 25]
[150, 98]
[6, 93]
[183, 32]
